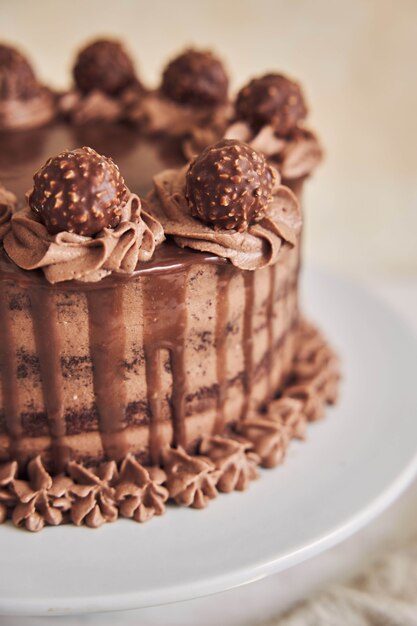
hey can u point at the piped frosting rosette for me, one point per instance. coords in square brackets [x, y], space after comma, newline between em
[97, 106]
[93, 107]
[157, 114]
[69, 256]
[105, 84]
[7, 206]
[270, 113]
[252, 249]
[191, 103]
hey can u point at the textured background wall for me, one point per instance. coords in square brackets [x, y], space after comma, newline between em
[356, 59]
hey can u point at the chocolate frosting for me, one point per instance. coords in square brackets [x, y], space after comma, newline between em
[19, 114]
[97, 106]
[257, 247]
[68, 256]
[139, 493]
[191, 480]
[92, 494]
[269, 438]
[158, 114]
[40, 499]
[296, 155]
[235, 461]
[8, 203]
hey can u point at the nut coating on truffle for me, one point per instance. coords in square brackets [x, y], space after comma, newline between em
[78, 191]
[272, 99]
[196, 78]
[103, 65]
[17, 78]
[229, 185]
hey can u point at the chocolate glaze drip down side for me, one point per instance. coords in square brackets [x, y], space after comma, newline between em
[48, 348]
[68, 256]
[249, 283]
[165, 330]
[295, 156]
[258, 247]
[270, 327]
[222, 316]
[107, 348]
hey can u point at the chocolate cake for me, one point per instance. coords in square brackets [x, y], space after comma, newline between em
[151, 342]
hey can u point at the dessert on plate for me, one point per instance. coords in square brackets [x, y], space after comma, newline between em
[150, 348]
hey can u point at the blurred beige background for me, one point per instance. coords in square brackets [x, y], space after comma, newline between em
[357, 61]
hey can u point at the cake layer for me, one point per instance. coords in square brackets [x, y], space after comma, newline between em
[186, 346]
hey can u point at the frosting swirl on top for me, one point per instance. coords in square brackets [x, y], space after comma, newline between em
[105, 84]
[158, 114]
[68, 256]
[295, 155]
[193, 94]
[8, 203]
[257, 247]
[98, 106]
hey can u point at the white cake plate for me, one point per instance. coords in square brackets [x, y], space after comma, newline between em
[353, 465]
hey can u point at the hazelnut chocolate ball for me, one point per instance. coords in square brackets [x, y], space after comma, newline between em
[229, 185]
[272, 99]
[105, 66]
[78, 191]
[195, 78]
[17, 78]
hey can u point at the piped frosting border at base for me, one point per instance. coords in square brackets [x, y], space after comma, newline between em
[227, 462]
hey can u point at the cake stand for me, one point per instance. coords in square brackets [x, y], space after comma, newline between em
[353, 465]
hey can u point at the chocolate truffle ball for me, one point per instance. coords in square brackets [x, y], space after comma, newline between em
[105, 66]
[78, 191]
[195, 78]
[17, 78]
[272, 99]
[229, 185]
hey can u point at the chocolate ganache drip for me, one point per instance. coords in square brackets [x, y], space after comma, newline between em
[165, 337]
